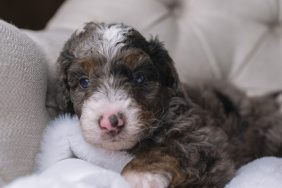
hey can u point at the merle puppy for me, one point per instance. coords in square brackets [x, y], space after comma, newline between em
[128, 96]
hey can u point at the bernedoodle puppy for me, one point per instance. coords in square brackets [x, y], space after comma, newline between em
[128, 97]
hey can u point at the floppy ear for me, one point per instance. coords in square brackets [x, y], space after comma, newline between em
[63, 99]
[164, 63]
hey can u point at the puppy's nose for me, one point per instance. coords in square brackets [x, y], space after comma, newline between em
[112, 122]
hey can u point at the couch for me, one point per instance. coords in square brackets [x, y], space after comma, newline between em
[235, 40]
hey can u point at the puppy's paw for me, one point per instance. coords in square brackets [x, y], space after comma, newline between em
[147, 180]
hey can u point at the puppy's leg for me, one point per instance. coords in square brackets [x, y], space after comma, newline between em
[160, 169]
[154, 169]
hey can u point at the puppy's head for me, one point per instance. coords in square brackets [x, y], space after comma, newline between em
[117, 82]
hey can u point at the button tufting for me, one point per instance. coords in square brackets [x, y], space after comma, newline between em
[174, 6]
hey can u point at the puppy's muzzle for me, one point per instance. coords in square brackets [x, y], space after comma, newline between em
[112, 122]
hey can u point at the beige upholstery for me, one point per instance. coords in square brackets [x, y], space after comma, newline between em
[236, 40]
[22, 102]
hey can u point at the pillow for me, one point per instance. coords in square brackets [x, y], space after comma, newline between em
[22, 99]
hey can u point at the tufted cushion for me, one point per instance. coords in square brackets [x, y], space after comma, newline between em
[240, 40]
[22, 102]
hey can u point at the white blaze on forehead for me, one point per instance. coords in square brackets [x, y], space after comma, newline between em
[99, 40]
[114, 34]
[112, 40]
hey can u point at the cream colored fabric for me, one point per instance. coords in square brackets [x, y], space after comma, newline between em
[236, 40]
[22, 102]
[50, 42]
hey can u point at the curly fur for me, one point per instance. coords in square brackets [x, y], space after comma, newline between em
[187, 136]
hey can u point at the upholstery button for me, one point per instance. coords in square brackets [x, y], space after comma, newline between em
[276, 28]
[174, 6]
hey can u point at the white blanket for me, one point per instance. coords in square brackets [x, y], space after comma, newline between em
[100, 168]
[72, 173]
[75, 173]
[63, 139]
[67, 160]
[262, 173]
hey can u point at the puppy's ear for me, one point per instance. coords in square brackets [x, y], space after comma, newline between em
[164, 63]
[63, 99]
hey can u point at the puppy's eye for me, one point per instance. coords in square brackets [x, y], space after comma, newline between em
[139, 78]
[84, 82]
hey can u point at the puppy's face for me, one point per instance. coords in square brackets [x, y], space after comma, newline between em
[118, 84]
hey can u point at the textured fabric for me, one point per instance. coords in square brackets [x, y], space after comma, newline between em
[50, 42]
[22, 102]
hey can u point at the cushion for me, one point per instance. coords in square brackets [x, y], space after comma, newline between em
[239, 41]
[22, 100]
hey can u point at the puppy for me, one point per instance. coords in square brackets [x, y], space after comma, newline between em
[128, 97]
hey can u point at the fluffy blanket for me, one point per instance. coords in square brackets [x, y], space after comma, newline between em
[63, 139]
[57, 167]
[262, 173]
[72, 173]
